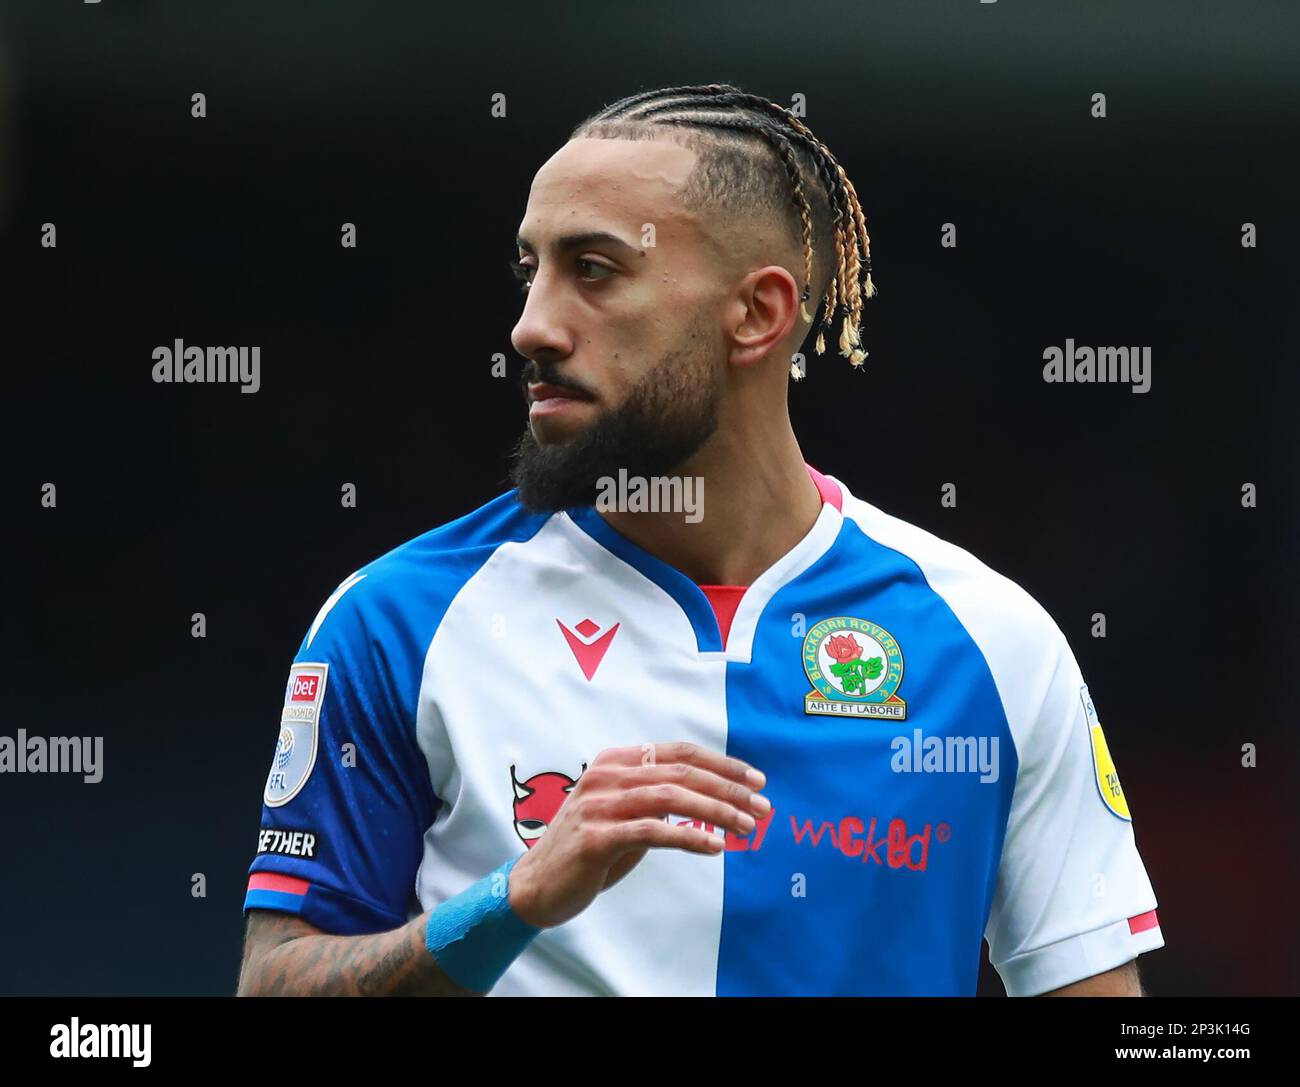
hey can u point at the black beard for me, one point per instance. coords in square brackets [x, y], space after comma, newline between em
[663, 422]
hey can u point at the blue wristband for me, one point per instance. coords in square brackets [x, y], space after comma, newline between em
[475, 935]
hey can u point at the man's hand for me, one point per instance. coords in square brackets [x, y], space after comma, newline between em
[614, 814]
[617, 811]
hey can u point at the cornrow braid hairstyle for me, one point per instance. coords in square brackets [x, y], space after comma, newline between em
[723, 124]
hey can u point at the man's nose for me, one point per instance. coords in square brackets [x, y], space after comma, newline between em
[541, 331]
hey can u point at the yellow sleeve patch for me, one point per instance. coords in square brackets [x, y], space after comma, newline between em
[1108, 786]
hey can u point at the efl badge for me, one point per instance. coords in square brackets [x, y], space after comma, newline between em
[855, 668]
[1102, 764]
[295, 750]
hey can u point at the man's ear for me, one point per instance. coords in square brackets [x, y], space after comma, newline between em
[767, 310]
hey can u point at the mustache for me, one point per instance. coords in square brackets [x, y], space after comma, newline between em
[535, 373]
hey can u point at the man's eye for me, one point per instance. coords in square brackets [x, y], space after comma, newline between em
[587, 269]
[523, 273]
[583, 265]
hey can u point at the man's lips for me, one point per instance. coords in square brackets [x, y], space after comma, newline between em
[546, 399]
[543, 391]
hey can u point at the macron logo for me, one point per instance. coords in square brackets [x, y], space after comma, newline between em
[586, 651]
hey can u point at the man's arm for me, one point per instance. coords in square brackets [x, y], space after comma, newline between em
[1122, 981]
[614, 816]
[286, 956]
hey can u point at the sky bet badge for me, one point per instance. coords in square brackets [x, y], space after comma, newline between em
[295, 749]
[1112, 795]
[855, 668]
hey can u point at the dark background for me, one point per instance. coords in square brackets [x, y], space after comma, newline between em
[376, 370]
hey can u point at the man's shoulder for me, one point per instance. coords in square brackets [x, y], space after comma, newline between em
[993, 608]
[411, 585]
[463, 542]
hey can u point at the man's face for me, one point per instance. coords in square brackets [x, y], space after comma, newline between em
[620, 322]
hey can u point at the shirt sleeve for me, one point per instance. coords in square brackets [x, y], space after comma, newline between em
[348, 797]
[1072, 897]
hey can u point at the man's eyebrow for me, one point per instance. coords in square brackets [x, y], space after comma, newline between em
[577, 241]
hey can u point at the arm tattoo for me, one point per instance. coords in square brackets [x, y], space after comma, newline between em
[286, 956]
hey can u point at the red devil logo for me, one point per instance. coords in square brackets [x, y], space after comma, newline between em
[538, 799]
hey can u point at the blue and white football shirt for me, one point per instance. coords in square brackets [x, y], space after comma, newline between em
[935, 764]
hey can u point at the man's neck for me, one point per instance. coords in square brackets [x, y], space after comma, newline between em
[759, 501]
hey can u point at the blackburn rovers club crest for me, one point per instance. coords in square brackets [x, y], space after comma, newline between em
[855, 668]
